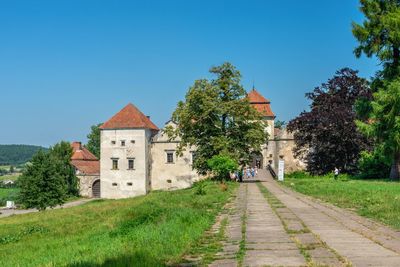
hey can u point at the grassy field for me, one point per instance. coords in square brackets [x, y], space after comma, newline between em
[12, 177]
[376, 199]
[152, 230]
[7, 194]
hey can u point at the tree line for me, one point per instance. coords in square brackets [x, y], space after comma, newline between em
[354, 124]
[17, 154]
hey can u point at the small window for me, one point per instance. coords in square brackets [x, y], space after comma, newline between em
[115, 164]
[131, 164]
[169, 181]
[132, 141]
[113, 142]
[122, 142]
[170, 157]
[114, 184]
[129, 184]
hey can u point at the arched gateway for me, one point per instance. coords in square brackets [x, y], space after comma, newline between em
[257, 160]
[96, 189]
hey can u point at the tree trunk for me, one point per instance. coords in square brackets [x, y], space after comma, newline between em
[395, 169]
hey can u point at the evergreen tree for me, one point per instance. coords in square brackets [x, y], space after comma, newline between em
[41, 184]
[62, 153]
[217, 118]
[93, 144]
[379, 36]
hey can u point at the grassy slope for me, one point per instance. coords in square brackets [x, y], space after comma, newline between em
[379, 200]
[142, 231]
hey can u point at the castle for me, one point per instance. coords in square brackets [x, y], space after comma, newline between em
[136, 156]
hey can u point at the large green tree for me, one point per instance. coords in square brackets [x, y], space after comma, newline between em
[379, 35]
[217, 119]
[62, 153]
[41, 184]
[93, 143]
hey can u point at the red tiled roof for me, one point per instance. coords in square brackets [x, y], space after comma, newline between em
[83, 160]
[89, 167]
[260, 103]
[80, 152]
[255, 97]
[127, 118]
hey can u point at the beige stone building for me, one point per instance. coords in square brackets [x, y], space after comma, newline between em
[87, 169]
[136, 156]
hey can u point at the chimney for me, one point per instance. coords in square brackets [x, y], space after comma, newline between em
[77, 145]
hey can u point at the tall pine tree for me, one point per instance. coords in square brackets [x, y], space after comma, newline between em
[379, 36]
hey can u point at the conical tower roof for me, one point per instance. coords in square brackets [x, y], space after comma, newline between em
[260, 103]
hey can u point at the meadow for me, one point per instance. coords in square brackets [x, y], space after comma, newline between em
[375, 199]
[153, 230]
[8, 194]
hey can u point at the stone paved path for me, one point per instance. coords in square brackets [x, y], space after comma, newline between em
[274, 226]
[9, 212]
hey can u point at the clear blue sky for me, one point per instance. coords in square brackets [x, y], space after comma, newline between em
[65, 65]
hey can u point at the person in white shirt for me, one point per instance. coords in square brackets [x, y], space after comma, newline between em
[336, 172]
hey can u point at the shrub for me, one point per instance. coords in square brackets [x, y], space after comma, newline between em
[223, 186]
[222, 166]
[200, 188]
[373, 165]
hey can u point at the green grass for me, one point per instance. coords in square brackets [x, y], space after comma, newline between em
[375, 199]
[5, 167]
[152, 230]
[12, 177]
[8, 194]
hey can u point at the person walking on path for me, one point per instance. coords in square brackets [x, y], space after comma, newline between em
[248, 174]
[336, 173]
[252, 172]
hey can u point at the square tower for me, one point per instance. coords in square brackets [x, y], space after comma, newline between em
[125, 154]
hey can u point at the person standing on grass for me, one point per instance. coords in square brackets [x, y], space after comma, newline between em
[336, 173]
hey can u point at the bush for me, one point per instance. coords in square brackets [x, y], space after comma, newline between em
[373, 165]
[200, 187]
[222, 166]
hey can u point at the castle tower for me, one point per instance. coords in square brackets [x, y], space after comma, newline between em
[125, 154]
[263, 105]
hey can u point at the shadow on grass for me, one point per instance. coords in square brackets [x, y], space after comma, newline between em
[136, 259]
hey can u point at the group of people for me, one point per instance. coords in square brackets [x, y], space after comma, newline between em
[246, 173]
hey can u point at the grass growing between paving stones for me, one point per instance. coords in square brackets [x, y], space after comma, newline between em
[304, 249]
[242, 244]
[204, 251]
[152, 230]
[379, 200]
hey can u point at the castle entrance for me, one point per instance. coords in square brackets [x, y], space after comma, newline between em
[257, 160]
[96, 189]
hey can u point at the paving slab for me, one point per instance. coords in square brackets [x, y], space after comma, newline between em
[267, 242]
[358, 240]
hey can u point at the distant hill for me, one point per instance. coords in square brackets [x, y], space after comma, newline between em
[17, 154]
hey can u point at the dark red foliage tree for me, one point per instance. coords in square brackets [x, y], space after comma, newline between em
[327, 136]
